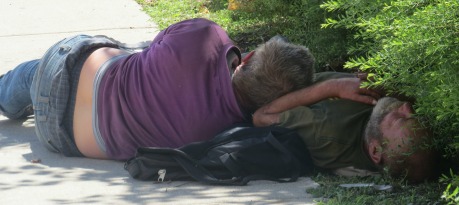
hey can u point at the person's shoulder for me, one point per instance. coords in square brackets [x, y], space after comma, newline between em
[197, 29]
[194, 24]
[203, 21]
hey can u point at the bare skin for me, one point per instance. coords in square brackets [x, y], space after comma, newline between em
[82, 119]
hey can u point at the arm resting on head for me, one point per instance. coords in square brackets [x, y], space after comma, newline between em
[346, 88]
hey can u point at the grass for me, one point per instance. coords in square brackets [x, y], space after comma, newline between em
[249, 26]
[331, 193]
[248, 29]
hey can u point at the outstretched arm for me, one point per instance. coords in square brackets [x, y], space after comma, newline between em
[346, 88]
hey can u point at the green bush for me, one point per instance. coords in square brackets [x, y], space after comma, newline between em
[300, 21]
[410, 46]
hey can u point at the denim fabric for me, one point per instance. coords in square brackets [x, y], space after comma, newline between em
[53, 91]
[15, 101]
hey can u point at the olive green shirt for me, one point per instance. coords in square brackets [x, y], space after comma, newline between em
[333, 132]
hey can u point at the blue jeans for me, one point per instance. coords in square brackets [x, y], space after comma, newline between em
[15, 100]
[50, 85]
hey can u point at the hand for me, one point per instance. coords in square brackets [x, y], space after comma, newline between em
[350, 88]
[262, 117]
[382, 92]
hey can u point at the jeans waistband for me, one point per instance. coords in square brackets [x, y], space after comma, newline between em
[54, 87]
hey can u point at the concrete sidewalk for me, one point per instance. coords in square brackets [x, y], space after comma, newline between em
[29, 174]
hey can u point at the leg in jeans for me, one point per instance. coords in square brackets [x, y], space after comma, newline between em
[15, 100]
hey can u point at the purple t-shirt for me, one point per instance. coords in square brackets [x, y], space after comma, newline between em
[175, 92]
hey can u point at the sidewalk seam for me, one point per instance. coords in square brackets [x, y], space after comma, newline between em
[79, 31]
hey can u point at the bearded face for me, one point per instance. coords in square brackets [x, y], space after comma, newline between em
[401, 138]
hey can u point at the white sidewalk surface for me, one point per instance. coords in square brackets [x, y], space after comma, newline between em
[29, 174]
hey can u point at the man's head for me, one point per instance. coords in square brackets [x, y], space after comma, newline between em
[275, 68]
[396, 140]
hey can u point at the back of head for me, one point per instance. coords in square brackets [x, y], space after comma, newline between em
[276, 68]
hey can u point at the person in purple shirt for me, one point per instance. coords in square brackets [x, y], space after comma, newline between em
[92, 98]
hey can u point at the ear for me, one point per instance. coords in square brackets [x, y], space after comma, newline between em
[375, 151]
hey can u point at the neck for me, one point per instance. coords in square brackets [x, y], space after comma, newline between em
[242, 102]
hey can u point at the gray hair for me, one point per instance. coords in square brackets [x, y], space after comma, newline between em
[382, 108]
[276, 68]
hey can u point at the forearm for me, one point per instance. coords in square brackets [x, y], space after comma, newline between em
[304, 97]
[270, 113]
[345, 88]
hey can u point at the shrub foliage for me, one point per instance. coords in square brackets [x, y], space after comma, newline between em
[412, 47]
